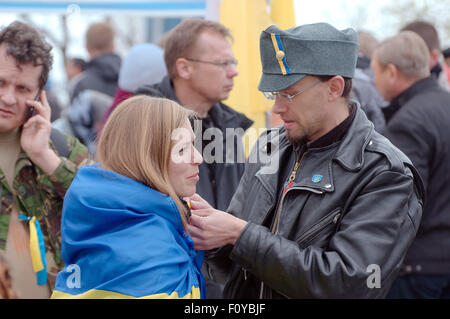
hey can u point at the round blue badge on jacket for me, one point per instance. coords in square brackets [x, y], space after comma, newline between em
[317, 178]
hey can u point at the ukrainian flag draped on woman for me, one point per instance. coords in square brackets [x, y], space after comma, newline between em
[122, 239]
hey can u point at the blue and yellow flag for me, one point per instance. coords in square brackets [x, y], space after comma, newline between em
[37, 249]
[122, 239]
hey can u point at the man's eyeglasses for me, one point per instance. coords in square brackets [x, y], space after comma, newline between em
[224, 64]
[285, 96]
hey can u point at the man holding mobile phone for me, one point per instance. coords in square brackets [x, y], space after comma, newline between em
[33, 176]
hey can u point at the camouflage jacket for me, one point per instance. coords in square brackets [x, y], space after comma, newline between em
[41, 195]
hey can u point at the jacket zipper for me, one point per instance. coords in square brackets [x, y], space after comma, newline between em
[290, 180]
[316, 229]
[277, 216]
[310, 234]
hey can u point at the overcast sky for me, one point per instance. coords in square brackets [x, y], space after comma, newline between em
[345, 13]
[360, 14]
[376, 16]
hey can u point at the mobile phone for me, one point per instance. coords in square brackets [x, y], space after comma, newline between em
[31, 111]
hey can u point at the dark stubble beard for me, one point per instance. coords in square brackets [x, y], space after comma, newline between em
[296, 140]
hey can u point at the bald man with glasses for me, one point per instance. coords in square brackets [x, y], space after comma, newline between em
[336, 218]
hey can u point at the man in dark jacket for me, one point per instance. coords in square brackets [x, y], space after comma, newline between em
[96, 86]
[201, 67]
[337, 217]
[429, 34]
[420, 128]
[102, 72]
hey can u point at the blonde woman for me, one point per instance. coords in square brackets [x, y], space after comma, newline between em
[124, 231]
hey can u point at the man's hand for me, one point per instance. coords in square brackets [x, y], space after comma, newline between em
[211, 228]
[197, 202]
[36, 135]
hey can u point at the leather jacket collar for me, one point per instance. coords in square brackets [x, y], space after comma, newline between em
[315, 171]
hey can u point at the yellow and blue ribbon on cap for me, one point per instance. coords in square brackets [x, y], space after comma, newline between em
[279, 53]
[37, 249]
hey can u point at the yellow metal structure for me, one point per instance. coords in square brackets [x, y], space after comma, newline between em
[246, 19]
[282, 13]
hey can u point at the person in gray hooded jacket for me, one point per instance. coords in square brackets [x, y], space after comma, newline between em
[330, 206]
[102, 71]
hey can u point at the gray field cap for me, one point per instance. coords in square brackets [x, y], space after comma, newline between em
[315, 49]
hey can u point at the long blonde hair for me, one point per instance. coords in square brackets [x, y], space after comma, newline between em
[137, 141]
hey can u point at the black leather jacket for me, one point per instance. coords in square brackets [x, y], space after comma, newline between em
[421, 129]
[333, 232]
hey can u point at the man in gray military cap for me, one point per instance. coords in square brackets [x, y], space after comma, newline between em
[337, 217]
